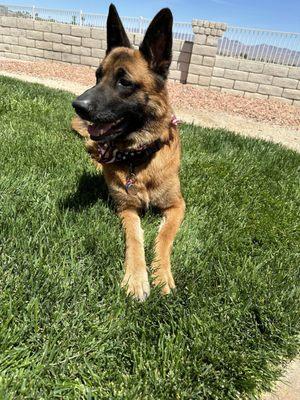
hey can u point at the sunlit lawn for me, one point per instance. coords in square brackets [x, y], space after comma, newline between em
[66, 328]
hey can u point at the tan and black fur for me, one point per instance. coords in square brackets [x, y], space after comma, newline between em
[145, 106]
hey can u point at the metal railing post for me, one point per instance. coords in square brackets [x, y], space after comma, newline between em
[140, 24]
[80, 18]
[33, 12]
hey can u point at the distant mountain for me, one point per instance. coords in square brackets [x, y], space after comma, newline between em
[259, 52]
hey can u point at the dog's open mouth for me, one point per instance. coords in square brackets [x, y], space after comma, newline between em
[106, 130]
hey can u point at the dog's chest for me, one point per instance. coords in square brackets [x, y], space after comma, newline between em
[156, 184]
[145, 189]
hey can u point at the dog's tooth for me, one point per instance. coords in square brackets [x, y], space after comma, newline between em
[101, 131]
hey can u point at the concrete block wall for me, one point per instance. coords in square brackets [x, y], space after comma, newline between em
[204, 51]
[256, 79]
[196, 63]
[26, 39]
[238, 76]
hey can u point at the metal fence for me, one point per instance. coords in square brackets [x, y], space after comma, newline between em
[261, 45]
[181, 30]
[252, 44]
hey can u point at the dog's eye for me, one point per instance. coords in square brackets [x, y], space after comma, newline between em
[124, 83]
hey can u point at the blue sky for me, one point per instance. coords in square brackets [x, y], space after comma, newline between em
[266, 14]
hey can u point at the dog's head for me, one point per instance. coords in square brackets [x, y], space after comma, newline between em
[129, 83]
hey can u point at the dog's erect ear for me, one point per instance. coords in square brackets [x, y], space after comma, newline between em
[157, 44]
[116, 35]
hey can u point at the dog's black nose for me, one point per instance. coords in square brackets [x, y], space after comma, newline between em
[82, 107]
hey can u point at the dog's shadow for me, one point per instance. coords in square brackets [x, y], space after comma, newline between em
[91, 188]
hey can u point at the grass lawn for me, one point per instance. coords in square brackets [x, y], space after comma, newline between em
[67, 331]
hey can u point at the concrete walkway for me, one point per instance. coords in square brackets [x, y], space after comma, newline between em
[288, 137]
[288, 388]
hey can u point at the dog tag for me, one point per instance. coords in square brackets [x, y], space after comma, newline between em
[129, 185]
[132, 190]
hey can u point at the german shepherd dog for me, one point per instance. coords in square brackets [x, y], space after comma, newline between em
[131, 132]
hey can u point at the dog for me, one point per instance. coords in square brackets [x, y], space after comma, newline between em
[132, 134]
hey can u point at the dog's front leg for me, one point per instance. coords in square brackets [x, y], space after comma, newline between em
[161, 266]
[136, 277]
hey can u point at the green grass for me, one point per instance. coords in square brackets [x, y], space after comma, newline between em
[66, 328]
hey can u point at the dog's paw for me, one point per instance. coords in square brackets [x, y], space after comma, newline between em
[164, 278]
[136, 285]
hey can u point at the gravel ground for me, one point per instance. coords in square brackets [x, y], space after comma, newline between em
[184, 97]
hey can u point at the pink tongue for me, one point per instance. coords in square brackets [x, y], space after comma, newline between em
[98, 130]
